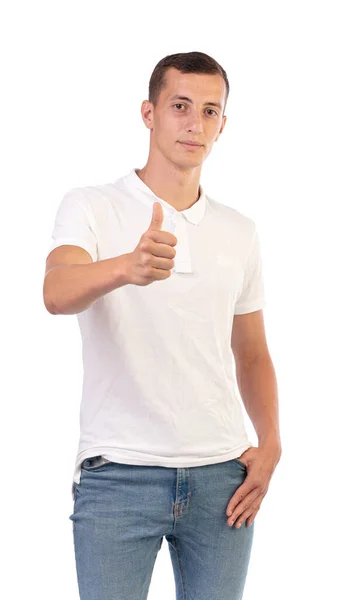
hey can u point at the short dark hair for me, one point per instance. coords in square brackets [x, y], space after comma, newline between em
[185, 62]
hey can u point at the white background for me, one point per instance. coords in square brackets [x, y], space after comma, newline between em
[74, 75]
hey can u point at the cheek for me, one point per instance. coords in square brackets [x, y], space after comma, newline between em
[167, 132]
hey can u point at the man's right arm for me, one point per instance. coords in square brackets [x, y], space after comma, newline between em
[73, 281]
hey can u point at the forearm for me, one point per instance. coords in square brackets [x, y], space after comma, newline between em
[71, 289]
[258, 390]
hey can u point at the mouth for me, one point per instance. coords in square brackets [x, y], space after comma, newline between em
[191, 146]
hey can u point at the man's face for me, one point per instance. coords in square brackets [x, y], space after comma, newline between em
[176, 120]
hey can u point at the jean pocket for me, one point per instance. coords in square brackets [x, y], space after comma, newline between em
[240, 462]
[74, 491]
[94, 462]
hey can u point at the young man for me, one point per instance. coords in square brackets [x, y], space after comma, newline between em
[167, 287]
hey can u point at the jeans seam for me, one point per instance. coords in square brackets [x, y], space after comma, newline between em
[180, 568]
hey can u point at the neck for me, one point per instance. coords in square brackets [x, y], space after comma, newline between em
[179, 188]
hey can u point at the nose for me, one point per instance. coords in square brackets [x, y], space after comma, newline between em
[194, 124]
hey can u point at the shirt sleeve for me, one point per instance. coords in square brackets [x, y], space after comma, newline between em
[74, 224]
[252, 294]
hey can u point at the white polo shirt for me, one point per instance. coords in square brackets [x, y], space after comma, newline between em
[159, 382]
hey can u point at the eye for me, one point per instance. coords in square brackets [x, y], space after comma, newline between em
[181, 104]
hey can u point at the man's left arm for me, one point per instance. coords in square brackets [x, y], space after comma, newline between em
[256, 379]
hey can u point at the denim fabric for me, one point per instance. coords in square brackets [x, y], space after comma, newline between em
[122, 513]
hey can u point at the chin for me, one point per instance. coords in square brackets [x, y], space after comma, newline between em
[188, 164]
[189, 159]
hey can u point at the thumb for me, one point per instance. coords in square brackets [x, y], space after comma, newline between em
[157, 217]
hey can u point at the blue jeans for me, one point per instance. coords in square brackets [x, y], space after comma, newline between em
[122, 512]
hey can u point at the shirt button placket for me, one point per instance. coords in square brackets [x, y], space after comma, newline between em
[182, 258]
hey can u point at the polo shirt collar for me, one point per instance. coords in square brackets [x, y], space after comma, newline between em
[194, 214]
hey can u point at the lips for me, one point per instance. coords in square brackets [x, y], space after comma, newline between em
[195, 145]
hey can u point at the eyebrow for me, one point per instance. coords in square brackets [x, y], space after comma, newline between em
[191, 102]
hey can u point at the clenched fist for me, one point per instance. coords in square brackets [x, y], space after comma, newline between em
[152, 258]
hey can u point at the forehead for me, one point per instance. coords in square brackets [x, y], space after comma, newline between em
[194, 85]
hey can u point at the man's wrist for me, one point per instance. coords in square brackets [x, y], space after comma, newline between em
[122, 269]
[270, 441]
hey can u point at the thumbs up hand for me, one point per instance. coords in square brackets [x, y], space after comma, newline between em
[152, 258]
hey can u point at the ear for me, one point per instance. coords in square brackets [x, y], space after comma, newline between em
[147, 113]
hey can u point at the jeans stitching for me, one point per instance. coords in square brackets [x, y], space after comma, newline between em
[180, 568]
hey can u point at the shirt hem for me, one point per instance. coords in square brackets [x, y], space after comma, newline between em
[250, 307]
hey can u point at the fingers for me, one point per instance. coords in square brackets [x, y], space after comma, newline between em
[153, 257]
[248, 515]
[161, 259]
[243, 504]
[157, 217]
[253, 515]
[241, 493]
[158, 249]
[155, 231]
